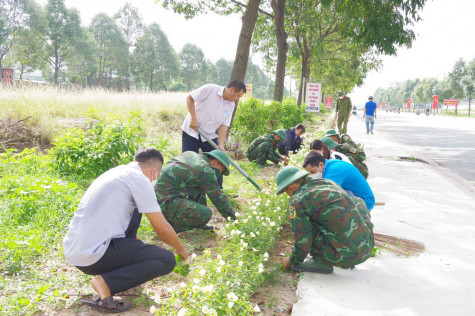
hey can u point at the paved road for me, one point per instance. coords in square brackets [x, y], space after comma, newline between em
[449, 141]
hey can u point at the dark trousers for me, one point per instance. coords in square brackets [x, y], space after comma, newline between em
[129, 262]
[189, 143]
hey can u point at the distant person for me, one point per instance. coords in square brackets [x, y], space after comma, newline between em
[210, 108]
[264, 148]
[328, 224]
[102, 235]
[293, 140]
[341, 172]
[369, 114]
[343, 112]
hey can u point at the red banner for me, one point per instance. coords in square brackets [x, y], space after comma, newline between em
[435, 102]
[328, 102]
[408, 103]
[6, 76]
[451, 102]
[384, 105]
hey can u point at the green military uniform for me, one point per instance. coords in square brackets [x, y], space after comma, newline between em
[343, 108]
[354, 152]
[327, 222]
[262, 149]
[181, 191]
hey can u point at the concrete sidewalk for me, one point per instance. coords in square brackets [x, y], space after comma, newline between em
[422, 204]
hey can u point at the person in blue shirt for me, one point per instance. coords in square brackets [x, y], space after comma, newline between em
[341, 172]
[369, 114]
[293, 141]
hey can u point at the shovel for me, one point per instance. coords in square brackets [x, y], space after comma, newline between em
[230, 160]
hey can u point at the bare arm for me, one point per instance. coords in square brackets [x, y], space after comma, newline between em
[222, 132]
[166, 233]
[374, 113]
[190, 104]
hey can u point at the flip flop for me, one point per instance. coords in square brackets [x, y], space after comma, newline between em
[107, 305]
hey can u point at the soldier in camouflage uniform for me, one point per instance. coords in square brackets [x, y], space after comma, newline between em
[183, 185]
[326, 222]
[264, 148]
[353, 151]
[343, 112]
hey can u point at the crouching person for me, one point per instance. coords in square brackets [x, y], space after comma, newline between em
[102, 236]
[183, 185]
[264, 148]
[327, 223]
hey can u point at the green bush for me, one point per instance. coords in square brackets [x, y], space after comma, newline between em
[255, 118]
[104, 145]
[177, 86]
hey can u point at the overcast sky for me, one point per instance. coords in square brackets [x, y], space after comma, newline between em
[446, 33]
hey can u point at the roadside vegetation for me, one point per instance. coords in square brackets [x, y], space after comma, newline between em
[40, 190]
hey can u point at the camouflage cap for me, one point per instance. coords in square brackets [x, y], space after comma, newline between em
[281, 133]
[222, 158]
[329, 142]
[341, 93]
[331, 132]
[287, 176]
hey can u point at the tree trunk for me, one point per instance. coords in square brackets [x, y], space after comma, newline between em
[244, 46]
[278, 6]
[305, 74]
[151, 82]
[469, 99]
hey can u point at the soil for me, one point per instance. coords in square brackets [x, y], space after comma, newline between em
[19, 134]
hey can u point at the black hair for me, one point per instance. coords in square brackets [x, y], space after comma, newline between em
[145, 155]
[238, 85]
[313, 159]
[316, 144]
[300, 126]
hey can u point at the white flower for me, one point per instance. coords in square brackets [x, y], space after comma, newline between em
[237, 214]
[202, 272]
[264, 224]
[182, 284]
[254, 212]
[230, 304]
[212, 312]
[153, 309]
[258, 203]
[266, 255]
[233, 232]
[261, 270]
[195, 288]
[245, 244]
[257, 233]
[208, 288]
[193, 255]
[204, 309]
[254, 249]
[236, 222]
[268, 219]
[219, 257]
[196, 281]
[156, 299]
[240, 263]
[278, 208]
[253, 208]
[221, 262]
[232, 297]
[218, 269]
[253, 235]
[245, 221]
[229, 218]
[243, 235]
[257, 309]
[182, 312]
[272, 224]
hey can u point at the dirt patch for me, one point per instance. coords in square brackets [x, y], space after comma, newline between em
[277, 295]
[19, 134]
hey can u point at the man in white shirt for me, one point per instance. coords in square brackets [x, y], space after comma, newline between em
[102, 236]
[211, 109]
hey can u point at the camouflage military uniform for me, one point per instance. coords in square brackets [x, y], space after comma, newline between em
[327, 222]
[262, 149]
[181, 192]
[343, 108]
[354, 152]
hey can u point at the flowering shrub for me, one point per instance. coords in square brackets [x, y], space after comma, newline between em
[221, 284]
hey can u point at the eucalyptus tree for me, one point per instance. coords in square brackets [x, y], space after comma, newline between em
[63, 36]
[192, 65]
[131, 25]
[112, 49]
[14, 18]
[154, 62]
[468, 82]
[225, 68]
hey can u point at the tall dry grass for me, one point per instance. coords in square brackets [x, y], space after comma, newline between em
[51, 110]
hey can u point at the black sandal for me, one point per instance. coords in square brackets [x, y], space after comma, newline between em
[107, 305]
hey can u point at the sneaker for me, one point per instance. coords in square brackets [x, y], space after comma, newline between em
[314, 265]
[367, 133]
[371, 132]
